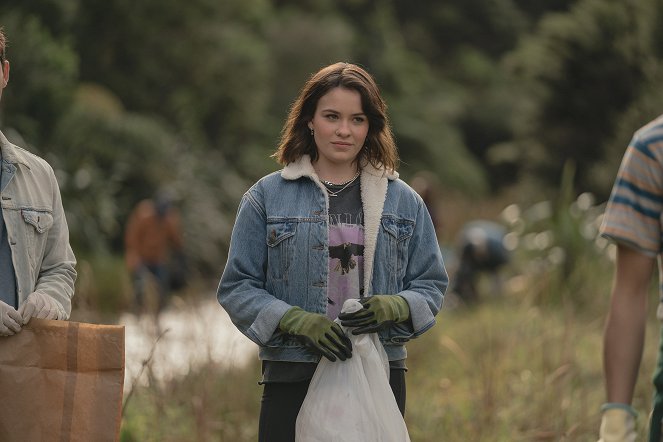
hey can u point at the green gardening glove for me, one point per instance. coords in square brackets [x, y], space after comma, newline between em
[379, 311]
[318, 332]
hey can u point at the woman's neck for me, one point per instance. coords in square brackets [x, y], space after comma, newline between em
[339, 175]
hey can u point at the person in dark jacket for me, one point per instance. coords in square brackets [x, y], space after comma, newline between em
[481, 250]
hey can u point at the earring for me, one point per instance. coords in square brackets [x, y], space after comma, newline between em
[311, 131]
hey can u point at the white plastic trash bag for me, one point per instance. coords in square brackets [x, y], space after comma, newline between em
[351, 400]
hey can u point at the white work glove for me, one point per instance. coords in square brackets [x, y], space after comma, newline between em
[617, 423]
[39, 305]
[10, 320]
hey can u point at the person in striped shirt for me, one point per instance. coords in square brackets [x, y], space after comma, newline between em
[632, 220]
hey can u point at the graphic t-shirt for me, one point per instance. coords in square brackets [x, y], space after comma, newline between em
[346, 248]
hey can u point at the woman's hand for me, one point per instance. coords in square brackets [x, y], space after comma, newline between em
[379, 311]
[319, 332]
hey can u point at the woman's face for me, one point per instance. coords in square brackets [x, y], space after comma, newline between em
[340, 128]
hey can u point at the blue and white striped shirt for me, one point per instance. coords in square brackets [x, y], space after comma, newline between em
[634, 213]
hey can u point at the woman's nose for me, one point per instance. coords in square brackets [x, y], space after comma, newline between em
[342, 129]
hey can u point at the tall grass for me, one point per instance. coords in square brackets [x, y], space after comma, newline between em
[211, 404]
[103, 288]
[505, 370]
[510, 371]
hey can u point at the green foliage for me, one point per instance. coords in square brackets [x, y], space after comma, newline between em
[204, 68]
[643, 110]
[572, 62]
[444, 29]
[125, 97]
[57, 16]
[556, 243]
[103, 287]
[118, 157]
[423, 110]
[122, 157]
[293, 62]
[43, 78]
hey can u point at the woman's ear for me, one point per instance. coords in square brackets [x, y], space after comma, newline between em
[5, 72]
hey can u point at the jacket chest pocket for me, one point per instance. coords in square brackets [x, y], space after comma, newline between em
[397, 234]
[280, 248]
[35, 227]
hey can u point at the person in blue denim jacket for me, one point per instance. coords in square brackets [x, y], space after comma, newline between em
[37, 265]
[335, 223]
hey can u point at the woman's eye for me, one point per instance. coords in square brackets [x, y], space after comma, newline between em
[331, 116]
[359, 119]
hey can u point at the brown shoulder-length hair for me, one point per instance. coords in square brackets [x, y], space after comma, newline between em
[296, 140]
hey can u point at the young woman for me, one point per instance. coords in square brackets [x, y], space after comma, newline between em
[334, 223]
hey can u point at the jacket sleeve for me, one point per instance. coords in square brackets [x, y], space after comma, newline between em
[241, 292]
[426, 279]
[57, 273]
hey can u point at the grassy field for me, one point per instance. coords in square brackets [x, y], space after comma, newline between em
[509, 371]
[505, 370]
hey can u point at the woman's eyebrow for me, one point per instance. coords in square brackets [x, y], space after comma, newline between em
[337, 112]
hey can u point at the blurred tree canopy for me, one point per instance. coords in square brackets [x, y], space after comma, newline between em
[126, 97]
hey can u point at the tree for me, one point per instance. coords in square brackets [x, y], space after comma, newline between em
[583, 70]
[44, 74]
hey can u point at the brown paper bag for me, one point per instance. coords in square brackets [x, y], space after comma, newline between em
[61, 381]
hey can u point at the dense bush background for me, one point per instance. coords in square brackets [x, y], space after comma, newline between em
[126, 97]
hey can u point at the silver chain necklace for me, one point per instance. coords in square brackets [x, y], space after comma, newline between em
[345, 185]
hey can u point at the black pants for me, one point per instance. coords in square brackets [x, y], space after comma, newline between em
[281, 403]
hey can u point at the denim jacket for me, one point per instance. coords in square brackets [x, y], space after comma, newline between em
[36, 227]
[278, 257]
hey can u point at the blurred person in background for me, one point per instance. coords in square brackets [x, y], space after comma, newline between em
[481, 251]
[632, 220]
[152, 240]
[37, 265]
[335, 223]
